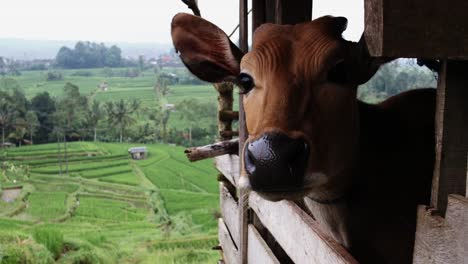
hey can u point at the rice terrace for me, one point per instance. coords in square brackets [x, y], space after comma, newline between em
[111, 208]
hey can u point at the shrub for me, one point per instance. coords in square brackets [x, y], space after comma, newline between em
[15, 248]
[52, 239]
[54, 76]
[82, 73]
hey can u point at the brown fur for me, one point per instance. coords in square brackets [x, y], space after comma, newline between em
[374, 162]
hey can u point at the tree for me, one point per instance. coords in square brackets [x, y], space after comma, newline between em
[65, 58]
[2, 66]
[119, 114]
[32, 123]
[161, 87]
[71, 108]
[160, 116]
[44, 107]
[7, 115]
[94, 114]
[89, 55]
[193, 111]
[19, 132]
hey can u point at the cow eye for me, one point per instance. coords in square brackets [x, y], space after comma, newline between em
[245, 83]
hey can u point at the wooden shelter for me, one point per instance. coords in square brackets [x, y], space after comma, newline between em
[138, 153]
[253, 230]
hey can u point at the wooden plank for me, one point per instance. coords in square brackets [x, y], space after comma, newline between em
[259, 252]
[230, 212]
[293, 12]
[297, 233]
[439, 240]
[417, 28]
[451, 133]
[229, 166]
[212, 150]
[230, 253]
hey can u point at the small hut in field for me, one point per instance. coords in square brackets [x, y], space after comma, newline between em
[138, 153]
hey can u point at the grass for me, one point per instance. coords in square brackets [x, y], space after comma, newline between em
[46, 205]
[110, 209]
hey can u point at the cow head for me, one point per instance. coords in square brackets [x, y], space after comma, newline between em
[299, 87]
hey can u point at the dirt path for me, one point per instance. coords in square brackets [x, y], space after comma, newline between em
[10, 195]
[141, 175]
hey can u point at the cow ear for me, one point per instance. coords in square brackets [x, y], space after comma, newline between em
[205, 49]
[359, 65]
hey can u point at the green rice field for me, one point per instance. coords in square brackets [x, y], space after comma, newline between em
[109, 208]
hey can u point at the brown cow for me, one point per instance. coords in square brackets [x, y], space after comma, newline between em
[360, 168]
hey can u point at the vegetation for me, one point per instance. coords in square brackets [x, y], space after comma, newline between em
[78, 108]
[89, 55]
[159, 210]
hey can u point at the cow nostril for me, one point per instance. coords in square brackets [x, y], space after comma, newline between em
[275, 162]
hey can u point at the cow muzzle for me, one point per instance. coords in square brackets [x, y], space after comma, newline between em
[276, 163]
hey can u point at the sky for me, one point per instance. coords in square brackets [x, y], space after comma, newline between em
[135, 20]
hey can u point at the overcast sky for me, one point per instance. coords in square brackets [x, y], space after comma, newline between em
[135, 20]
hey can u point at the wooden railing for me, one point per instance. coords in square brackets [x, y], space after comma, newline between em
[270, 226]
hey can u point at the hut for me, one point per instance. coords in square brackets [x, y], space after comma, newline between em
[138, 153]
[252, 230]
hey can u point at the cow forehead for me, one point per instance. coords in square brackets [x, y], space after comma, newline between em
[307, 47]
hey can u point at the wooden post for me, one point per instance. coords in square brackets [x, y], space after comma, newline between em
[225, 102]
[243, 201]
[451, 133]
[293, 12]
[212, 150]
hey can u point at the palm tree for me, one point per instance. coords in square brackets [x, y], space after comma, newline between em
[20, 131]
[7, 115]
[119, 114]
[93, 115]
[32, 123]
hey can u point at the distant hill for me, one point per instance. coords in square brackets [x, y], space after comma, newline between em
[22, 49]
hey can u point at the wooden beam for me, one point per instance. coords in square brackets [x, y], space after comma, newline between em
[297, 233]
[229, 166]
[230, 252]
[228, 134]
[451, 133]
[293, 12]
[417, 28]
[225, 103]
[259, 252]
[243, 220]
[228, 115]
[212, 150]
[439, 240]
[230, 212]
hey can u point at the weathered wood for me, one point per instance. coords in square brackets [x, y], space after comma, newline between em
[243, 202]
[259, 252]
[293, 12]
[213, 150]
[417, 28]
[297, 233]
[225, 103]
[439, 240]
[230, 252]
[228, 115]
[229, 166]
[192, 4]
[451, 133]
[228, 134]
[230, 212]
